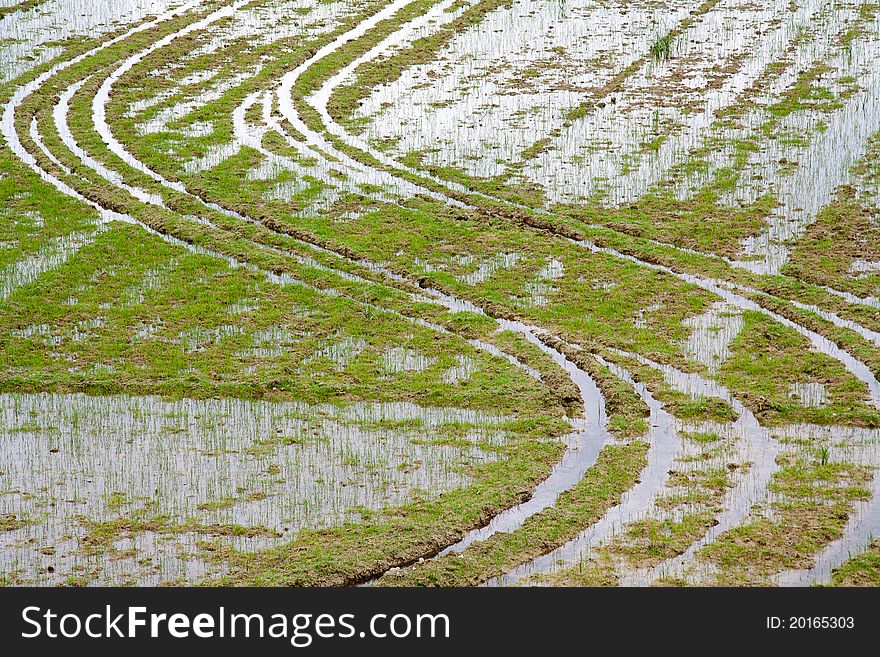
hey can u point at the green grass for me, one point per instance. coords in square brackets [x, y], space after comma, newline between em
[767, 358]
[354, 552]
[195, 343]
[661, 49]
[860, 570]
[131, 314]
[845, 231]
[814, 504]
[613, 474]
[19, 7]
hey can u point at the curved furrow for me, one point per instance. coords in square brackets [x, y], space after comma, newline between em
[8, 125]
[592, 435]
[108, 215]
[102, 97]
[322, 97]
[99, 102]
[35, 136]
[59, 116]
[319, 101]
[760, 449]
[252, 137]
[314, 140]
[856, 367]
[738, 502]
[583, 444]
[60, 113]
[241, 132]
[60, 119]
[734, 512]
[588, 438]
[664, 445]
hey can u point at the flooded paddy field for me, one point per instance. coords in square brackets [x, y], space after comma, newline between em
[423, 292]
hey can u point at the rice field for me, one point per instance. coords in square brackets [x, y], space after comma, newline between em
[439, 292]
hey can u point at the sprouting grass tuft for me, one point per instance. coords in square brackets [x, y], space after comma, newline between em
[661, 49]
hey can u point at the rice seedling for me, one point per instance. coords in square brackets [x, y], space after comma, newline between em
[341, 282]
[661, 49]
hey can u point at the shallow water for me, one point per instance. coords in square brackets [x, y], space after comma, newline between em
[821, 343]
[588, 438]
[756, 445]
[712, 333]
[822, 166]
[478, 112]
[59, 115]
[27, 39]
[338, 178]
[621, 151]
[72, 459]
[55, 253]
[857, 368]
[664, 446]
[752, 444]
[560, 26]
[316, 143]
[460, 112]
[863, 525]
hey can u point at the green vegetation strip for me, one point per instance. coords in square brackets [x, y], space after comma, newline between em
[861, 570]
[368, 76]
[615, 471]
[816, 498]
[21, 7]
[613, 474]
[355, 552]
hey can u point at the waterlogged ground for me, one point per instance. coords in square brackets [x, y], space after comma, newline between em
[97, 484]
[439, 292]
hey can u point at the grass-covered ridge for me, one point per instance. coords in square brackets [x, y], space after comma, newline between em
[295, 275]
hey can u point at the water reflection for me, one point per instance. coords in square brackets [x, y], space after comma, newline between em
[270, 468]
